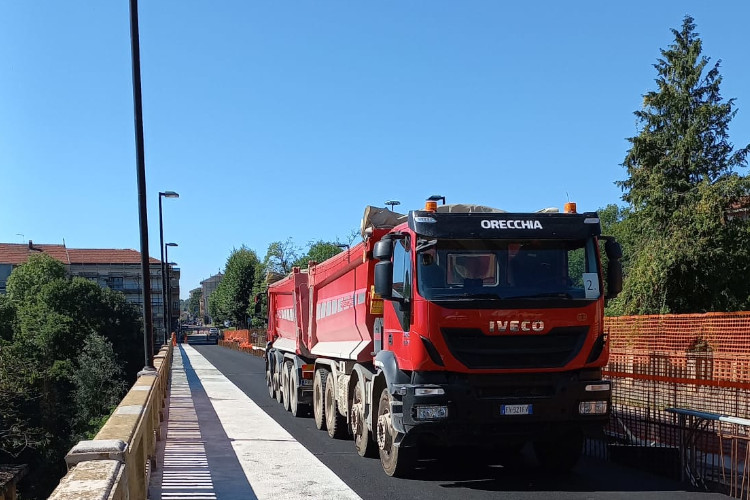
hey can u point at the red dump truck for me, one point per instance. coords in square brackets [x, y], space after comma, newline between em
[455, 325]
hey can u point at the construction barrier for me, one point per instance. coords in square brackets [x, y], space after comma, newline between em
[696, 362]
[249, 341]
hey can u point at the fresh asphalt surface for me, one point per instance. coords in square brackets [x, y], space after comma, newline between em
[437, 480]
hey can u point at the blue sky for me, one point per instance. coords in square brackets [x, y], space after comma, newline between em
[285, 119]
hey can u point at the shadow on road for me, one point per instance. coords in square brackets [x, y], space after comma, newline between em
[519, 472]
[229, 479]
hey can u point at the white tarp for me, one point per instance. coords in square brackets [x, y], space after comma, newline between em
[377, 218]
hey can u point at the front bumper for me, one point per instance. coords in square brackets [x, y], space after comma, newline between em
[551, 404]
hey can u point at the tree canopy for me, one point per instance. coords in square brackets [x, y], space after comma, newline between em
[232, 298]
[68, 350]
[194, 302]
[684, 252]
[318, 251]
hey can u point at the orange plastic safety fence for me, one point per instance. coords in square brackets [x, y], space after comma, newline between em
[696, 361]
[241, 336]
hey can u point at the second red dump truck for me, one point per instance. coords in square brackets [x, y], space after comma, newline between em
[452, 325]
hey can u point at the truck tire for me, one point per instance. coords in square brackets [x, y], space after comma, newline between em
[319, 389]
[335, 421]
[285, 374]
[298, 409]
[269, 380]
[561, 453]
[366, 447]
[396, 461]
[277, 382]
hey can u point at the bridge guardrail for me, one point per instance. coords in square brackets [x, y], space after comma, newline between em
[117, 463]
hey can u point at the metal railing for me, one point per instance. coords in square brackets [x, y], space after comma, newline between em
[117, 463]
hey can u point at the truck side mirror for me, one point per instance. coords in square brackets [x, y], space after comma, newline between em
[384, 279]
[383, 249]
[614, 278]
[613, 249]
[614, 267]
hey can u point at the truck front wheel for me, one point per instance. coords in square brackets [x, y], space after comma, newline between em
[396, 461]
[319, 389]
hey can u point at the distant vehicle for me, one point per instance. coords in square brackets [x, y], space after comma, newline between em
[213, 330]
[213, 335]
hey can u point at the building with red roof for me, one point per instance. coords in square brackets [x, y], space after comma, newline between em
[117, 269]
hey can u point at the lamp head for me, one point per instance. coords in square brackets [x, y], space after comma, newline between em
[169, 194]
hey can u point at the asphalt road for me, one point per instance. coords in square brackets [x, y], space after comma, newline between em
[451, 477]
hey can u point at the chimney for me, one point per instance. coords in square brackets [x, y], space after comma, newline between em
[31, 245]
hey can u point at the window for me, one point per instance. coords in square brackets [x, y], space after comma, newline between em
[115, 283]
[507, 269]
[479, 267]
[402, 269]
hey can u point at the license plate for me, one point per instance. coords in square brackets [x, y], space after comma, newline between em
[306, 381]
[516, 409]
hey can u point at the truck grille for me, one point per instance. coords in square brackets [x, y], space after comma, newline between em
[474, 349]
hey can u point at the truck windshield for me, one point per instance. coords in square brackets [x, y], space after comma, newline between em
[507, 269]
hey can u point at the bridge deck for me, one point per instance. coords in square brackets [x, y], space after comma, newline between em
[220, 444]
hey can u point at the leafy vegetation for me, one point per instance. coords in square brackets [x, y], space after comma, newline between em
[232, 298]
[684, 250]
[194, 302]
[68, 350]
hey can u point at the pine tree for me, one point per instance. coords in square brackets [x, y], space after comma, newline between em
[682, 178]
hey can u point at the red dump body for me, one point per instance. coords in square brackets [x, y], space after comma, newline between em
[326, 309]
[287, 312]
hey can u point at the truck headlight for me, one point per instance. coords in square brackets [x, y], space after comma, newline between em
[597, 387]
[592, 407]
[431, 412]
[429, 391]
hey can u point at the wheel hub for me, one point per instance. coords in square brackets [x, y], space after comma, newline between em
[384, 434]
[357, 411]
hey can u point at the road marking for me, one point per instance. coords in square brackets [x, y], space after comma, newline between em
[277, 466]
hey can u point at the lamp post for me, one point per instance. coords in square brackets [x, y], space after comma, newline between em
[392, 203]
[170, 266]
[165, 194]
[169, 285]
[135, 51]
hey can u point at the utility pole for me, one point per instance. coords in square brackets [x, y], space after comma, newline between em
[148, 327]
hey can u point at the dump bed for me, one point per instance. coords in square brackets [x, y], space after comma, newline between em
[288, 309]
[327, 310]
[341, 323]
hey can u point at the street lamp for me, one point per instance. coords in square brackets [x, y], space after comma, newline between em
[140, 162]
[170, 266]
[169, 286]
[165, 194]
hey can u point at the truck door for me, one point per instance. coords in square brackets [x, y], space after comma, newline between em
[397, 332]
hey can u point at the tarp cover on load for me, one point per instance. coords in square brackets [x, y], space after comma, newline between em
[380, 218]
[463, 208]
[383, 218]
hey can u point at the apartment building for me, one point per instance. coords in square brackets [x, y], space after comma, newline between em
[208, 287]
[117, 269]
